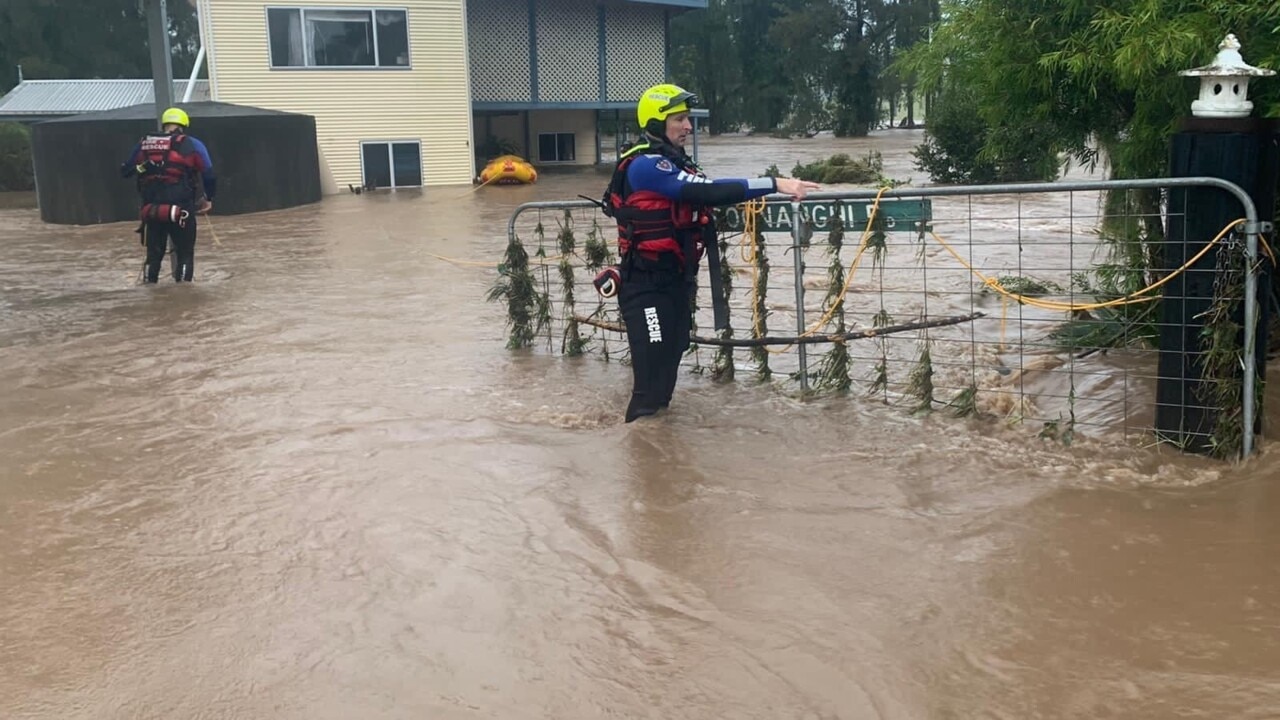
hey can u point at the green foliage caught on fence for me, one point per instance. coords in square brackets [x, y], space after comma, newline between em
[833, 370]
[572, 344]
[760, 308]
[517, 287]
[1223, 384]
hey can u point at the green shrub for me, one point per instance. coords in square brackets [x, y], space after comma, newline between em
[16, 171]
[960, 147]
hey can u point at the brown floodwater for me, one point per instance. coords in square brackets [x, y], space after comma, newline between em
[315, 484]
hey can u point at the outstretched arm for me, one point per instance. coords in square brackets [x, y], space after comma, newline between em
[660, 175]
[657, 174]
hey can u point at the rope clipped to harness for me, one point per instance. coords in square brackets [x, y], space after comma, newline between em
[164, 212]
[607, 282]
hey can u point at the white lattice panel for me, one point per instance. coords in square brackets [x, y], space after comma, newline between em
[498, 40]
[634, 50]
[568, 51]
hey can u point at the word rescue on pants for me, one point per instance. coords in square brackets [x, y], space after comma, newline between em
[655, 329]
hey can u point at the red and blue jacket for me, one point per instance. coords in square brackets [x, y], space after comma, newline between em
[172, 169]
[659, 198]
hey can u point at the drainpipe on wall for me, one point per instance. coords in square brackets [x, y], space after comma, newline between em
[161, 64]
[195, 72]
[211, 56]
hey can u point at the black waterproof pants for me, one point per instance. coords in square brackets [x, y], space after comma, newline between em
[654, 302]
[156, 236]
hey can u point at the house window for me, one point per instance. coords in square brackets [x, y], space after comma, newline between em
[392, 164]
[555, 147]
[322, 37]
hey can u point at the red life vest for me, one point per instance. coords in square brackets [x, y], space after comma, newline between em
[161, 160]
[651, 223]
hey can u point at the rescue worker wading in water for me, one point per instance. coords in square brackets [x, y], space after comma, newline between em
[660, 200]
[175, 180]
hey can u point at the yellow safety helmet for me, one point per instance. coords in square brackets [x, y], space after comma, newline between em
[175, 116]
[660, 101]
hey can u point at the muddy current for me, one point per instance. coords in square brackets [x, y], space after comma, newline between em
[315, 484]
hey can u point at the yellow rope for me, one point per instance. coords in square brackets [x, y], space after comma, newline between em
[853, 267]
[747, 248]
[475, 188]
[1130, 299]
[751, 211]
[464, 263]
[483, 264]
[214, 233]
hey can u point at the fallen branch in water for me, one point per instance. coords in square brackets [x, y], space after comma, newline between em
[808, 339]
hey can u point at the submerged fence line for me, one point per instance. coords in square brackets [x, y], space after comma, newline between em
[991, 300]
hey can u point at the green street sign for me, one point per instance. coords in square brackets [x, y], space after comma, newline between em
[897, 215]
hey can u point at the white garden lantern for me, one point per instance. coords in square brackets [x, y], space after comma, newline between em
[1224, 85]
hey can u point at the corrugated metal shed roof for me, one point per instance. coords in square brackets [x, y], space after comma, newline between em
[691, 4]
[199, 111]
[70, 97]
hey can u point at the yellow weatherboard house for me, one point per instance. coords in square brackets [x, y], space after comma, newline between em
[424, 92]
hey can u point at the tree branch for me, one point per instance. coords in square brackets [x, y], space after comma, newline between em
[807, 340]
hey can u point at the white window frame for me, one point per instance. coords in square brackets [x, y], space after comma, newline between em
[306, 44]
[557, 137]
[391, 160]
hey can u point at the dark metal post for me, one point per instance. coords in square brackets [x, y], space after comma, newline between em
[1245, 151]
[528, 140]
[599, 149]
[798, 269]
[161, 63]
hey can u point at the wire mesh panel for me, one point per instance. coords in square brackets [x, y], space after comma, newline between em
[498, 43]
[552, 255]
[568, 52]
[1074, 309]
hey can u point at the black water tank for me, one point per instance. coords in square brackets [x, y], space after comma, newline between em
[263, 159]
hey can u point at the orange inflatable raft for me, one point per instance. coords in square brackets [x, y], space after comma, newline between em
[508, 170]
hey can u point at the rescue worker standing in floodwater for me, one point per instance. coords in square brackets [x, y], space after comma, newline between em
[660, 200]
[176, 181]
